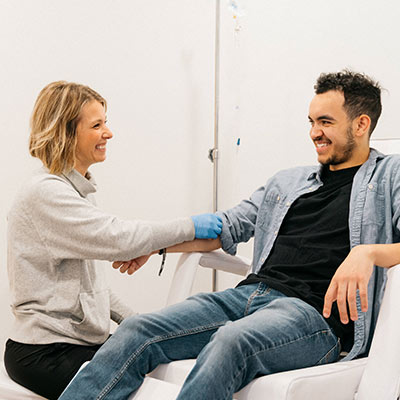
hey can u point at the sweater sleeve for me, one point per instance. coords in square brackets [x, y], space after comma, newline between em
[71, 227]
[119, 310]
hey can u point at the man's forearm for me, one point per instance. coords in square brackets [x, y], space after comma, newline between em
[384, 255]
[354, 274]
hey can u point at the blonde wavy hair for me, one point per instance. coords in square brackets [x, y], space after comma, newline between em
[53, 123]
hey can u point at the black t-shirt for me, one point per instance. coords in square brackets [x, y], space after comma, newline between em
[312, 242]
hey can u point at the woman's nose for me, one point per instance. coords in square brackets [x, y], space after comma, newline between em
[107, 134]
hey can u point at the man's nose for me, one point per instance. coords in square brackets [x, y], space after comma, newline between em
[315, 132]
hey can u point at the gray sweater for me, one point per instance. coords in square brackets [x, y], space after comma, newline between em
[55, 232]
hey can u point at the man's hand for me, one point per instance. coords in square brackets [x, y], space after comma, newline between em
[354, 273]
[131, 266]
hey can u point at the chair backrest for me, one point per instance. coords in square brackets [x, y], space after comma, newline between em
[381, 377]
[386, 146]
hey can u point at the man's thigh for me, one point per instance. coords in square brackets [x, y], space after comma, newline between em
[180, 330]
[196, 313]
[285, 334]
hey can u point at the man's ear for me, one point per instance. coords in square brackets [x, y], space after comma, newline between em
[361, 125]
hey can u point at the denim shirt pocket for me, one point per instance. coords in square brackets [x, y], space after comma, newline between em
[269, 209]
[374, 206]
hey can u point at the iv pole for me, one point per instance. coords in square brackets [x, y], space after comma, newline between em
[213, 153]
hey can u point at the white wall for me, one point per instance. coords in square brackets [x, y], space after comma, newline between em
[153, 61]
[271, 58]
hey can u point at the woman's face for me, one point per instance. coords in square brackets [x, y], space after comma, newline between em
[92, 135]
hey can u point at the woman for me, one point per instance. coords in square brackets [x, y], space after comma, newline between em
[60, 300]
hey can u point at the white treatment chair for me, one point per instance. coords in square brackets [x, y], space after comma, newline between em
[374, 378]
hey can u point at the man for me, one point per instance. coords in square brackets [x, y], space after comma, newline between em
[319, 232]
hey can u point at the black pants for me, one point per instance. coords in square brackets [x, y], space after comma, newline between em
[45, 369]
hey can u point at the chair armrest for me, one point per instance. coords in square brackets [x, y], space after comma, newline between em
[381, 377]
[182, 282]
[224, 262]
[188, 263]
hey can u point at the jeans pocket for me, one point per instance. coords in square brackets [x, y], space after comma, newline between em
[333, 354]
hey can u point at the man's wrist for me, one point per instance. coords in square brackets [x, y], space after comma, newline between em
[370, 251]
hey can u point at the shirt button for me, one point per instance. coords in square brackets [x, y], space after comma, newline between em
[370, 186]
[310, 189]
[287, 204]
[275, 233]
[278, 198]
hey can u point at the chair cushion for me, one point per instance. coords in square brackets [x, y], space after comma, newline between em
[329, 382]
[155, 389]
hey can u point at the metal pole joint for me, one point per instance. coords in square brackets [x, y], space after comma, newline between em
[213, 155]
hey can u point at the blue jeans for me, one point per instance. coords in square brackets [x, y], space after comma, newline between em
[236, 335]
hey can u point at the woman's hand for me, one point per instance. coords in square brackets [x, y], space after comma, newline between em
[207, 226]
[131, 266]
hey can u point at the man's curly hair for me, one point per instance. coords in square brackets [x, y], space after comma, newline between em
[362, 95]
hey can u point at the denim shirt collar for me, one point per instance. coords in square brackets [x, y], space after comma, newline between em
[374, 156]
[369, 165]
[316, 175]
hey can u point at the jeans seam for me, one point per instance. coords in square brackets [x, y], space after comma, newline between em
[267, 291]
[276, 347]
[253, 295]
[320, 332]
[145, 345]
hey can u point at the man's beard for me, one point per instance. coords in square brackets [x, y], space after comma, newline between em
[345, 152]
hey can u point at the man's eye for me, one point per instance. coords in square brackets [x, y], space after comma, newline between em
[96, 126]
[325, 123]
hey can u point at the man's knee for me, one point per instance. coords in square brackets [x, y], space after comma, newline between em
[231, 339]
[138, 326]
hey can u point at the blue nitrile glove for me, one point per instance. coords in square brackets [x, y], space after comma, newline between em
[207, 226]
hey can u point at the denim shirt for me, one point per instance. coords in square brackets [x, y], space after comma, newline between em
[373, 218]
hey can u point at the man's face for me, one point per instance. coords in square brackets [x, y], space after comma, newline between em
[332, 131]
